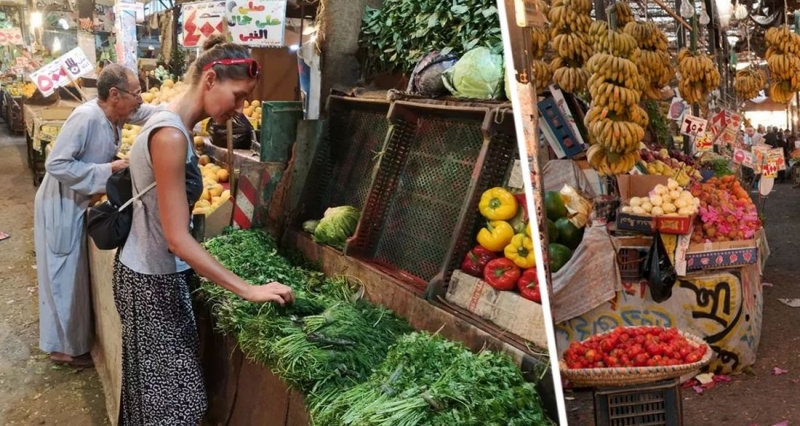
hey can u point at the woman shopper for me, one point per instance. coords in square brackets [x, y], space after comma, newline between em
[162, 382]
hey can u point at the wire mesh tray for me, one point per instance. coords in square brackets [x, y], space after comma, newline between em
[421, 213]
[343, 165]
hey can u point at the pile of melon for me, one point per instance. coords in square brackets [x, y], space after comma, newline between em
[168, 91]
[214, 194]
[129, 134]
[252, 110]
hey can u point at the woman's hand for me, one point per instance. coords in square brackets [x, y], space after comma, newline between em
[272, 292]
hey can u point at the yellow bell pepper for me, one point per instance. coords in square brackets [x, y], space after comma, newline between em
[520, 251]
[496, 235]
[498, 204]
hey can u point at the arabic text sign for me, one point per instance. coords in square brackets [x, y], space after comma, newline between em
[201, 21]
[257, 23]
[11, 36]
[49, 77]
[775, 155]
[76, 63]
[703, 143]
[770, 170]
[692, 125]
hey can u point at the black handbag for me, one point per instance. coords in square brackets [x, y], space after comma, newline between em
[109, 223]
[659, 271]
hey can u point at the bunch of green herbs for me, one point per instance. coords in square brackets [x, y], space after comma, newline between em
[402, 32]
[429, 380]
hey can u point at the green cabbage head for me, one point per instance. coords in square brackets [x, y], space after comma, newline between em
[337, 225]
[477, 75]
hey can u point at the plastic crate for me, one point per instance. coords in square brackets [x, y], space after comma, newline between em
[343, 166]
[657, 404]
[421, 214]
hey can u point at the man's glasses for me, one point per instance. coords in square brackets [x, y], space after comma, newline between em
[253, 69]
[135, 94]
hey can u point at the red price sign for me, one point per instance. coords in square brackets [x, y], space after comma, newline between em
[770, 170]
[692, 125]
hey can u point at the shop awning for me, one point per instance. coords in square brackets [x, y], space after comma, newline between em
[763, 104]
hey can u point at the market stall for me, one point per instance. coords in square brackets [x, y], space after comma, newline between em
[399, 161]
[655, 243]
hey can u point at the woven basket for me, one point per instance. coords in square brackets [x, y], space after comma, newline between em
[627, 376]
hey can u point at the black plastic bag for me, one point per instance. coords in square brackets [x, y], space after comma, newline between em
[242, 132]
[659, 271]
[426, 79]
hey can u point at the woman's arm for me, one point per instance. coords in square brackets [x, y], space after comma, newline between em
[168, 151]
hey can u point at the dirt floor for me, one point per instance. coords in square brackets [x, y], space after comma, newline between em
[32, 390]
[760, 398]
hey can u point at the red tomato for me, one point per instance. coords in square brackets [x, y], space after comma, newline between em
[590, 355]
[635, 350]
[640, 360]
[691, 358]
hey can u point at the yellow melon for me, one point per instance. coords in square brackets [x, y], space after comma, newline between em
[203, 160]
[222, 175]
[215, 190]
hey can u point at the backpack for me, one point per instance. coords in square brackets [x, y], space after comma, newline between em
[109, 223]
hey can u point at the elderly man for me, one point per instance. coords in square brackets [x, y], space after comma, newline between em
[78, 167]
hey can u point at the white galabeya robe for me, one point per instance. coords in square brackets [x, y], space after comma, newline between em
[77, 168]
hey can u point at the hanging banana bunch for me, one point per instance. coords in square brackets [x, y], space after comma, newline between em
[654, 60]
[624, 14]
[783, 48]
[542, 74]
[749, 82]
[569, 27]
[615, 120]
[699, 76]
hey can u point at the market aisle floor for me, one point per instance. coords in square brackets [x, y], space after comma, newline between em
[760, 398]
[32, 390]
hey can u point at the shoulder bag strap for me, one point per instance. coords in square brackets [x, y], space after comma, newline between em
[149, 187]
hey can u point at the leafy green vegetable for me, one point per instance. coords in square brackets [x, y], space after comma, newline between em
[400, 34]
[310, 226]
[429, 380]
[477, 75]
[658, 123]
[337, 225]
[359, 364]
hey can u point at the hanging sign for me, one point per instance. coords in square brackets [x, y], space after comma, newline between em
[692, 125]
[257, 23]
[201, 21]
[703, 143]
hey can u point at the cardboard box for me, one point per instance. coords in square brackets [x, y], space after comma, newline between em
[205, 227]
[569, 142]
[507, 309]
[639, 186]
[721, 255]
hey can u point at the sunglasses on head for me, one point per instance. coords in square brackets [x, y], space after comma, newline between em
[253, 68]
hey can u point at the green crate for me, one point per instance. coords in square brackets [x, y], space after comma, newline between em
[279, 129]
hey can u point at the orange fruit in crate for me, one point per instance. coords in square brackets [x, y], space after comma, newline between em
[215, 190]
[203, 160]
[222, 175]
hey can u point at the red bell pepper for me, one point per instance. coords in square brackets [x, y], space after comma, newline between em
[523, 204]
[501, 274]
[476, 259]
[528, 286]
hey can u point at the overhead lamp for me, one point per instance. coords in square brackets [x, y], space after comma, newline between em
[36, 19]
[63, 23]
[687, 10]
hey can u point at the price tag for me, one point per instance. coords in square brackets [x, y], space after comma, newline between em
[719, 120]
[703, 143]
[770, 170]
[49, 77]
[692, 125]
[76, 63]
[677, 108]
[775, 155]
[739, 156]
